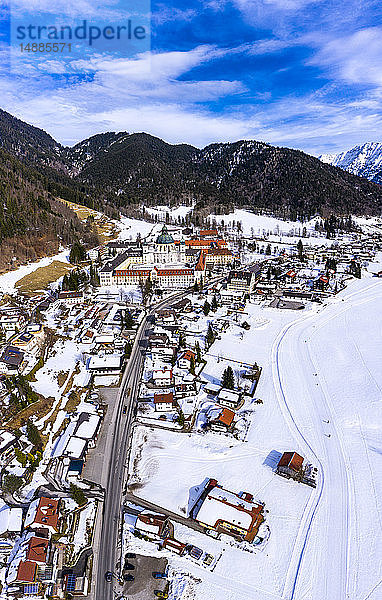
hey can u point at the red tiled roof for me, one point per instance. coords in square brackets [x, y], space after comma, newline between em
[204, 232]
[292, 460]
[47, 512]
[171, 272]
[201, 265]
[188, 355]
[226, 417]
[132, 272]
[37, 549]
[159, 398]
[26, 571]
[163, 372]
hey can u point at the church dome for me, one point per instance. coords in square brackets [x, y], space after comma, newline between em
[164, 237]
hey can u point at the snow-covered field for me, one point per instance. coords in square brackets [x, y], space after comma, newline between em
[320, 365]
[257, 224]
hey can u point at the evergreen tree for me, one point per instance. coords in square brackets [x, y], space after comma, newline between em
[214, 303]
[210, 337]
[228, 380]
[300, 250]
[128, 320]
[33, 434]
[192, 365]
[198, 353]
[268, 250]
[77, 253]
[206, 308]
[77, 494]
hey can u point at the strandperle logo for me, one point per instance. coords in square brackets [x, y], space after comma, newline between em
[66, 43]
[85, 32]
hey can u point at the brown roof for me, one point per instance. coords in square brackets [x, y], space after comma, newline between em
[203, 232]
[37, 549]
[226, 417]
[292, 460]
[26, 571]
[188, 355]
[47, 512]
[158, 398]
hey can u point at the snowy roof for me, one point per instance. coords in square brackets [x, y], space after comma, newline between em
[76, 447]
[10, 519]
[87, 426]
[104, 339]
[150, 523]
[111, 361]
[223, 505]
[228, 395]
[6, 438]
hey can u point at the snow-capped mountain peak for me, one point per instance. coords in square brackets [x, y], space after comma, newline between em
[364, 160]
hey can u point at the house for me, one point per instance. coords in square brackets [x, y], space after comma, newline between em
[163, 377]
[152, 526]
[212, 389]
[289, 464]
[164, 402]
[87, 428]
[229, 398]
[71, 298]
[28, 341]
[164, 353]
[186, 359]
[26, 572]
[174, 546]
[185, 388]
[110, 364]
[11, 520]
[166, 316]
[183, 305]
[230, 513]
[11, 360]
[222, 420]
[76, 448]
[243, 281]
[38, 549]
[43, 513]
[7, 440]
[11, 321]
[76, 585]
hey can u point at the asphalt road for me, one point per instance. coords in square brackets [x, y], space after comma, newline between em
[117, 454]
[106, 556]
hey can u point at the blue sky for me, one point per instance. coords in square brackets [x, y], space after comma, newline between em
[300, 73]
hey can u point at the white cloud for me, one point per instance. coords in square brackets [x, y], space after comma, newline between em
[149, 94]
[355, 58]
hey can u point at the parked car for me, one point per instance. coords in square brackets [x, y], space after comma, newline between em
[129, 567]
[130, 555]
[124, 409]
[158, 575]
[195, 552]
[108, 576]
[128, 577]
[160, 594]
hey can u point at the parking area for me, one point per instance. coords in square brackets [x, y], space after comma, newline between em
[94, 468]
[144, 584]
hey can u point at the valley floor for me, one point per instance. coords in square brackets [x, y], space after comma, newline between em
[321, 388]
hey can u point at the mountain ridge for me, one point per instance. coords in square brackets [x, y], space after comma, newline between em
[364, 160]
[120, 170]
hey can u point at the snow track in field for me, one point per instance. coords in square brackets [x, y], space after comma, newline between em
[336, 485]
